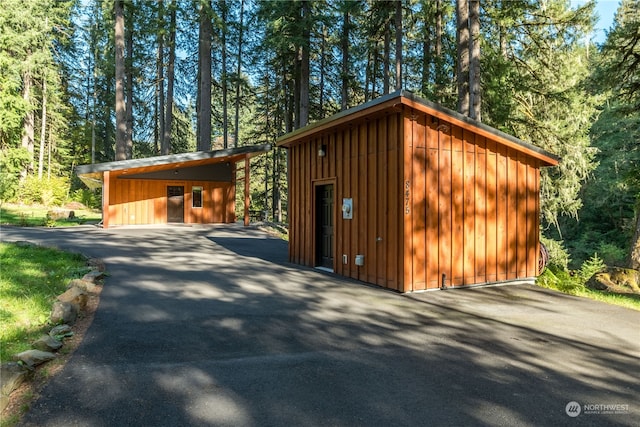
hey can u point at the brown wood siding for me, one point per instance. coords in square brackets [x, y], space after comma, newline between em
[430, 198]
[362, 162]
[139, 201]
[481, 202]
[474, 207]
[394, 192]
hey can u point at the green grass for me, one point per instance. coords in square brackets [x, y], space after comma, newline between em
[36, 216]
[31, 277]
[563, 282]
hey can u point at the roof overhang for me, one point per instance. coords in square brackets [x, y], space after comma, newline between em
[93, 175]
[405, 98]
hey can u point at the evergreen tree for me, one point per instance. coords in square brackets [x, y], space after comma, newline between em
[620, 74]
[537, 68]
[120, 108]
[32, 38]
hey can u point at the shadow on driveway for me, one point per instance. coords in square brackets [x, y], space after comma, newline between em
[207, 327]
[254, 244]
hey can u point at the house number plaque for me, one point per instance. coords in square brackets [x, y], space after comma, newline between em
[407, 193]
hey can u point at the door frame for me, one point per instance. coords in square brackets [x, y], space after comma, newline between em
[183, 203]
[314, 214]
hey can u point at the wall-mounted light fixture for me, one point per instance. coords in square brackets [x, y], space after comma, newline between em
[175, 172]
[322, 151]
[444, 128]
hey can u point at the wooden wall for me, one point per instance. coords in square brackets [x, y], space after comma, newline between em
[144, 201]
[363, 163]
[429, 198]
[474, 207]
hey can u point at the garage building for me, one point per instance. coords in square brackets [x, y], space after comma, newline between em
[408, 195]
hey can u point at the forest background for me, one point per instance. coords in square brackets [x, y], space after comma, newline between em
[86, 81]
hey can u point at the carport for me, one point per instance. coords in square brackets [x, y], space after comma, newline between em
[190, 188]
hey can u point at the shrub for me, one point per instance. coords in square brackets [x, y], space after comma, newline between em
[612, 254]
[46, 191]
[562, 280]
[87, 197]
[571, 282]
[593, 265]
[12, 162]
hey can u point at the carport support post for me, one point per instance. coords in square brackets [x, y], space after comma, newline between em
[247, 189]
[105, 199]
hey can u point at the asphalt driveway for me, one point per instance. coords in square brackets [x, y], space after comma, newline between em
[210, 326]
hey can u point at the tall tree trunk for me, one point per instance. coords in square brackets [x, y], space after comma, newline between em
[426, 52]
[49, 145]
[295, 108]
[121, 113]
[108, 142]
[439, 71]
[28, 135]
[94, 88]
[462, 38]
[374, 71]
[129, 88]
[292, 100]
[323, 62]
[266, 157]
[159, 116]
[87, 103]
[204, 86]
[399, 81]
[236, 127]
[168, 121]
[305, 63]
[288, 101]
[474, 63]
[367, 78]
[387, 57]
[223, 77]
[43, 128]
[344, 44]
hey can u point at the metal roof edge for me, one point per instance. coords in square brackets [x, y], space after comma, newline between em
[171, 158]
[543, 155]
[282, 140]
[552, 158]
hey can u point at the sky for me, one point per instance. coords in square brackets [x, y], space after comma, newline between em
[605, 9]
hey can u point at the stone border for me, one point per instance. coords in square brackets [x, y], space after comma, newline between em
[64, 313]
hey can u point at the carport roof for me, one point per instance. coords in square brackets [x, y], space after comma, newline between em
[92, 175]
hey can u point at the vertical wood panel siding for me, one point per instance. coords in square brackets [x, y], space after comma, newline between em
[419, 209]
[140, 201]
[429, 199]
[480, 183]
[394, 192]
[475, 208]
[352, 192]
[362, 163]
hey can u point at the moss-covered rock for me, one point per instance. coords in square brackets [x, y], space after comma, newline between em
[615, 279]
